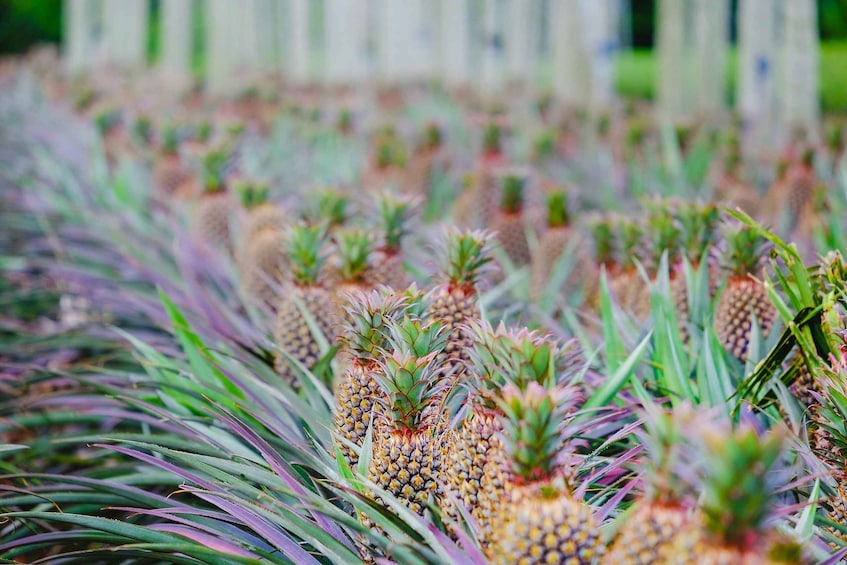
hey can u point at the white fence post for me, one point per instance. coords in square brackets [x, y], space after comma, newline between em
[800, 107]
[570, 65]
[755, 98]
[711, 30]
[176, 34]
[125, 32]
[455, 42]
[78, 34]
[345, 41]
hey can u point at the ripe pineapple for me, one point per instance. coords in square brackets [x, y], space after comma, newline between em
[365, 336]
[731, 524]
[292, 333]
[453, 302]
[551, 245]
[538, 519]
[263, 265]
[408, 455]
[744, 296]
[261, 215]
[508, 221]
[213, 212]
[387, 267]
[651, 527]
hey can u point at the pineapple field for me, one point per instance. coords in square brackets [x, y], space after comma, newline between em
[285, 321]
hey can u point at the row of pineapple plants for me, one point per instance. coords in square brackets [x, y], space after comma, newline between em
[499, 407]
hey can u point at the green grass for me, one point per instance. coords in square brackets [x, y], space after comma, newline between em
[636, 75]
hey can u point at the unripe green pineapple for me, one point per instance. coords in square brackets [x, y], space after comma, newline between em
[364, 335]
[305, 295]
[744, 297]
[213, 213]
[731, 524]
[408, 455]
[508, 221]
[539, 520]
[387, 266]
[453, 303]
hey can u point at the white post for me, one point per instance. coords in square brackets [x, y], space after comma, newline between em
[520, 60]
[800, 107]
[570, 66]
[455, 42]
[711, 31]
[266, 26]
[176, 32]
[601, 19]
[345, 35]
[300, 53]
[78, 34]
[125, 29]
[755, 97]
[492, 38]
[671, 46]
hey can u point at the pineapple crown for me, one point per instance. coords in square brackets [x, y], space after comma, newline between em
[142, 129]
[512, 199]
[170, 140]
[433, 136]
[629, 238]
[603, 234]
[636, 133]
[746, 248]
[354, 248]
[332, 206]
[394, 215]
[807, 158]
[391, 151]
[304, 244]
[492, 138]
[544, 144]
[366, 326]
[345, 120]
[409, 374]
[835, 137]
[203, 131]
[212, 167]
[533, 419]
[665, 236]
[251, 193]
[698, 223]
[464, 254]
[106, 119]
[737, 496]
[558, 214]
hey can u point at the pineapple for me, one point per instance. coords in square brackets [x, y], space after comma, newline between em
[508, 222]
[330, 206]
[304, 292]
[453, 302]
[168, 173]
[538, 518]
[364, 336]
[262, 267]
[353, 248]
[427, 157]
[213, 212]
[387, 267]
[743, 297]
[625, 281]
[387, 170]
[730, 525]
[655, 519]
[551, 245]
[664, 237]
[407, 456]
[261, 215]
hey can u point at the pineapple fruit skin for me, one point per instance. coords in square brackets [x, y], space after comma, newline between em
[212, 217]
[356, 395]
[266, 216]
[466, 457]
[169, 175]
[407, 464]
[512, 237]
[292, 333]
[264, 260]
[647, 535]
[534, 529]
[452, 308]
[551, 246]
[742, 298]
[387, 269]
[693, 547]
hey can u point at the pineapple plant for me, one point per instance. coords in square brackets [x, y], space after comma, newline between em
[263, 265]
[305, 296]
[213, 212]
[428, 155]
[261, 214]
[387, 267]
[744, 297]
[407, 456]
[731, 523]
[552, 244]
[538, 518]
[666, 507]
[168, 173]
[364, 336]
[353, 249]
[387, 170]
[453, 303]
[508, 223]
[330, 206]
